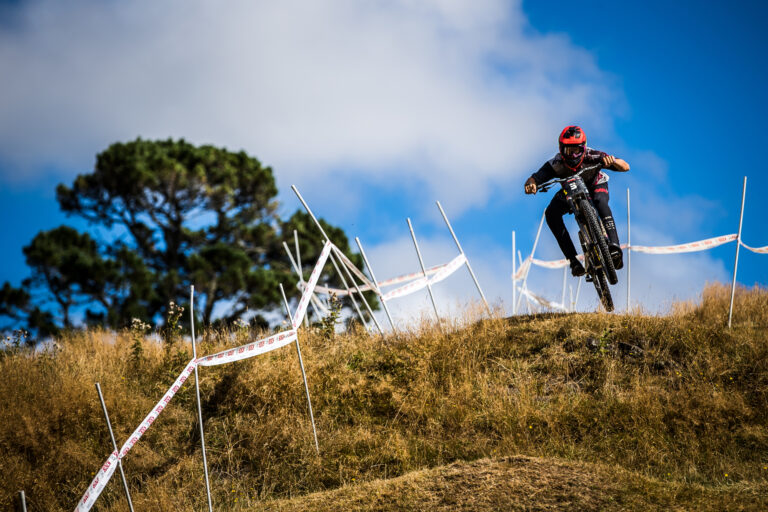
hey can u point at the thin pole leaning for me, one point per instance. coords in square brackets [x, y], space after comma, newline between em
[514, 278]
[533, 251]
[303, 373]
[373, 277]
[23, 501]
[332, 257]
[197, 395]
[738, 244]
[565, 281]
[578, 291]
[114, 445]
[297, 269]
[629, 254]
[365, 301]
[466, 260]
[424, 271]
[349, 290]
[524, 287]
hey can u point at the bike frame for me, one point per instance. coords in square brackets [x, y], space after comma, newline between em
[575, 189]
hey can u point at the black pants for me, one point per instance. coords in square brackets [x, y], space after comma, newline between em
[559, 207]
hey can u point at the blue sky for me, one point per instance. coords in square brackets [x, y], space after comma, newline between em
[376, 110]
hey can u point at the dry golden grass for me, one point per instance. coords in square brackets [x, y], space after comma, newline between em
[528, 484]
[677, 400]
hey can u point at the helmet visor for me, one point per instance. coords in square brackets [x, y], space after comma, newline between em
[573, 151]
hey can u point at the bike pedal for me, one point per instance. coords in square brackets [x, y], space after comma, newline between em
[588, 278]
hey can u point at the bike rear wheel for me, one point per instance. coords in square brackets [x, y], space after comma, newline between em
[596, 232]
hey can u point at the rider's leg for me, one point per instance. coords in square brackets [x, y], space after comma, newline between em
[554, 214]
[600, 199]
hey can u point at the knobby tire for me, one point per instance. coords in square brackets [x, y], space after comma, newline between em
[607, 272]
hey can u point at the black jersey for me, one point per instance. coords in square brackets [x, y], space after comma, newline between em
[556, 168]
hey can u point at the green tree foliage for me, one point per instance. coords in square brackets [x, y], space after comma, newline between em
[166, 214]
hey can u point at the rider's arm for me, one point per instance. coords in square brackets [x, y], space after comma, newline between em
[545, 173]
[616, 164]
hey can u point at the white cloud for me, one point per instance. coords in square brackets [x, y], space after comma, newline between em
[461, 96]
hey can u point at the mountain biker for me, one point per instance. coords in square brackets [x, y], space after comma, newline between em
[573, 156]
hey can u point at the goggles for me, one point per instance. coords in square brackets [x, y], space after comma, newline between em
[573, 150]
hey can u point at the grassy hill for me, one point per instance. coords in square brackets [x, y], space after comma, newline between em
[527, 484]
[592, 409]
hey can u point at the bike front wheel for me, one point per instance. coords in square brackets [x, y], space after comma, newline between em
[596, 232]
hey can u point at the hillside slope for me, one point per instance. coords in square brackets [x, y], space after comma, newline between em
[676, 399]
[526, 484]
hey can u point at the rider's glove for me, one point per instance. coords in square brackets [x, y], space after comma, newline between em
[530, 186]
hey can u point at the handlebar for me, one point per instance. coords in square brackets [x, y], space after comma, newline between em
[551, 183]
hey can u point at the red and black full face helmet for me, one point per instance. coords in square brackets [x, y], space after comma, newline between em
[573, 145]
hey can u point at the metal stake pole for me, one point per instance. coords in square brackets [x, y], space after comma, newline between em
[578, 291]
[365, 302]
[373, 278]
[424, 270]
[197, 394]
[524, 286]
[114, 445]
[533, 251]
[303, 373]
[23, 501]
[297, 269]
[466, 260]
[738, 244]
[332, 258]
[349, 290]
[629, 254]
[514, 274]
[565, 280]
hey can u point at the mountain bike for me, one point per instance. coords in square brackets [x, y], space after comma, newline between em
[594, 240]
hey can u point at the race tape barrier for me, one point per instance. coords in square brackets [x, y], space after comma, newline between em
[351, 266]
[445, 271]
[758, 250]
[701, 245]
[310, 285]
[249, 350]
[108, 468]
[541, 300]
[387, 282]
[520, 274]
[98, 483]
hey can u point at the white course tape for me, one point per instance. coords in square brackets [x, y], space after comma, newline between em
[449, 268]
[522, 270]
[701, 245]
[351, 266]
[410, 277]
[108, 468]
[409, 288]
[416, 285]
[387, 282]
[98, 484]
[250, 350]
[310, 285]
[758, 250]
[541, 300]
